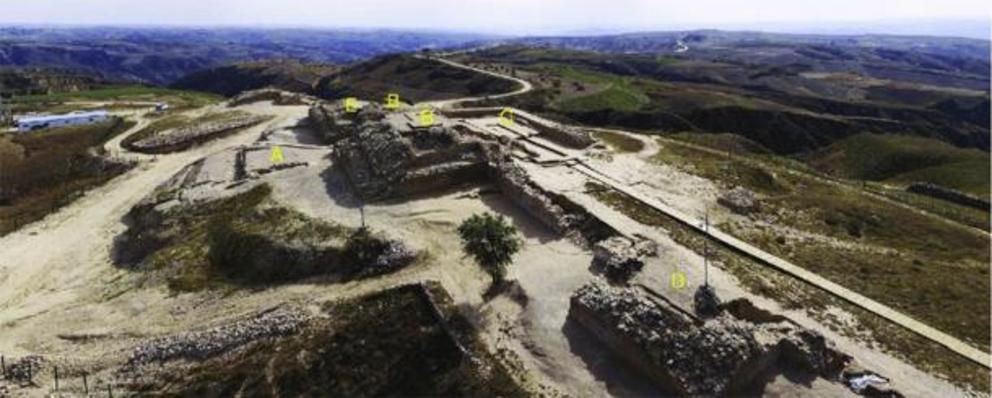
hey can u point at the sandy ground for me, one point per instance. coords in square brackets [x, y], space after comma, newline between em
[699, 195]
[62, 262]
[57, 277]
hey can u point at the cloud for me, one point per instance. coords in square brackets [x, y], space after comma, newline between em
[502, 16]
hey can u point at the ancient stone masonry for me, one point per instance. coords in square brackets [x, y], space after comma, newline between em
[383, 160]
[692, 357]
[517, 185]
[564, 135]
[375, 158]
[331, 121]
[200, 345]
[665, 344]
[620, 258]
[185, 137]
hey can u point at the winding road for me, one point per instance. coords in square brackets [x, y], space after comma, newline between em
[42, 265]
[950, 342]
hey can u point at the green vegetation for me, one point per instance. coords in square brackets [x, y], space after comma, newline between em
[177, 99]
[762, 280]
[904, 159]
[390, 343]
[726, 142]
[619, 142]
[492, 241]
[246, 240]
[414, 79]
[616, 97]
[175, 121]
[735, 161]
[582, 90]
[45, 170]
[869, 245]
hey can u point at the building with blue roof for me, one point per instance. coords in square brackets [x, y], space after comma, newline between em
[31, 123]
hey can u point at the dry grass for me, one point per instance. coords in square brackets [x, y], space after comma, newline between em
[45, 170]
[762, 280]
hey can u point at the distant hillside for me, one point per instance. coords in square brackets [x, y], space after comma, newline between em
[33, 81]
[788, 107]
[414, 79]
[902, 159]
[163, 55]
[946, 61]
[232, 79]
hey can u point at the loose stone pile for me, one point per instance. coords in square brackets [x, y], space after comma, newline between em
[693, 357]
[620, 258]
[189, 135]
[705, 301]
[278, 97]
[24, 369]
[740, 200]
[396, 255]
[201, 345]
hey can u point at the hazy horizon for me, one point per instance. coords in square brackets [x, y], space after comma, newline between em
[556, 17]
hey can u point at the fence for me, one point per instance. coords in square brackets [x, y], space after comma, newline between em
[26, 372]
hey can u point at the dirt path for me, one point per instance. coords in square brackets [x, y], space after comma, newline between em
[54, 263]
[961, 348]
[525, 86]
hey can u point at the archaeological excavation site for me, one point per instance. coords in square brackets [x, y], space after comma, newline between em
[284, 243]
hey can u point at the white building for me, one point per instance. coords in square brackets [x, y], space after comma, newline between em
[29, 123]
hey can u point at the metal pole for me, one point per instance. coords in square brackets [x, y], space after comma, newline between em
[706, 263]
[707, 218]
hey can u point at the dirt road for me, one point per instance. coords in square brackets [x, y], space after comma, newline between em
[954, 344]
[48, 264]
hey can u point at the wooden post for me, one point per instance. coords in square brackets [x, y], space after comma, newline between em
[3, 366]
[86, 385]
[56, 378]
[110, 392]
[30, 375]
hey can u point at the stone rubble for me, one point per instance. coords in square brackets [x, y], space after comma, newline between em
[331, 121]
[25, 369]
[740, 200]
[189, 135]
[705, 302]
[668, 345]
[620, 258]
[201, 345]
[697, 357]
[396, 255]
[278, 97]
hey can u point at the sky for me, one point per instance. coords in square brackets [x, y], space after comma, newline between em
[525, 17]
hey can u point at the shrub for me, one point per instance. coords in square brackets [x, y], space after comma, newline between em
[491, 241]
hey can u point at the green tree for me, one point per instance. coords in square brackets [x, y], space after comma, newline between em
[491, 241]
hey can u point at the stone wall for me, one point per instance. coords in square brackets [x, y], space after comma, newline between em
[950, 195]
[185, 137]
[687, 356]
[440, 177]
